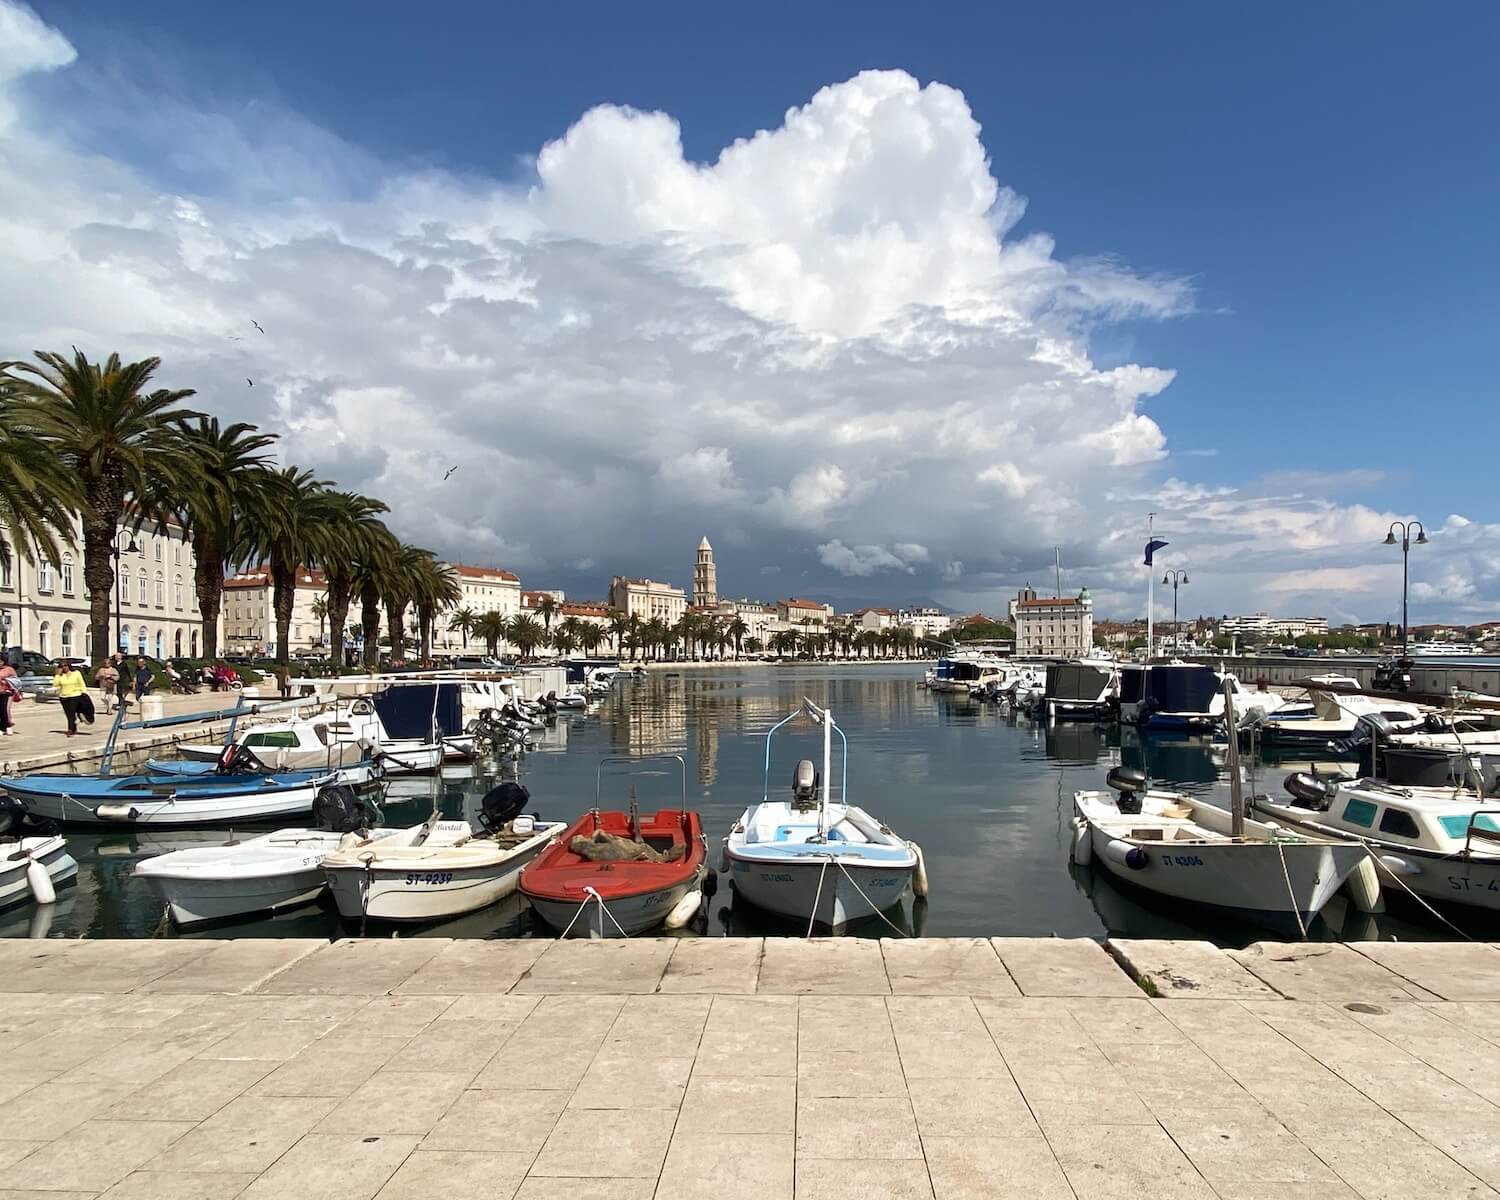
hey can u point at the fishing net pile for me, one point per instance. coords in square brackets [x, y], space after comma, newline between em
[611, 847]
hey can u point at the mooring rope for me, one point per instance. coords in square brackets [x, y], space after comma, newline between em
[1291, 895]
[900, 932]
[591, 895]
[812, 917]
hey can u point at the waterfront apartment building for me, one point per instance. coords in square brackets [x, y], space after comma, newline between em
[1261, 625]
[248, 619]
[647, 599]
[488, 590]
[153, 608]
[1053, 626]
[795, 613]
[705, 577]
[928, 622]
[876, 619]
[759, 618]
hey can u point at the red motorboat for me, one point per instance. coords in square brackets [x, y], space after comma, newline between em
[588, 883]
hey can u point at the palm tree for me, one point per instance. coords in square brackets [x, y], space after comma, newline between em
[657, 634]
[619, 626]
[527, 633]
[436, 587]
[463, 622]
[567, 633]
[737, 629]
[493, 629]
[547, 607]
[754, 645]
[114, 440]
[633, 626]
[590, 635]
[209, 503]
[288, 530]
[398, 583]
[355, 537]
[319, 609]
[37, 500]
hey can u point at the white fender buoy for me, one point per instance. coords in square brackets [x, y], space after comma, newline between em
[724, 859]
[40, 882]
[682, 912]
[1083, 842]
[1123, 854]
[1363, 887]
[1397, 865]
[919, 875]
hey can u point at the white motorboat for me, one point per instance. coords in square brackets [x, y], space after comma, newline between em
[32, 868]
[1185, 849]
[1442, 843]
[270, 873]
[440, 869]
[815, 860]
[1327, 720]
[962, 671]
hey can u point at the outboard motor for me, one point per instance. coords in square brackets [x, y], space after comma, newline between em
[502, 804]
[237, 758]
[1130, 782]
[1370, 729]
[804, 785]
[339, 810]
[1308, 791]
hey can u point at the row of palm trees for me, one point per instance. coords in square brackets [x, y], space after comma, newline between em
[696, 635]
[93, 438]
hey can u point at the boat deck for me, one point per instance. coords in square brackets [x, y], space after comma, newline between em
[537, 1070]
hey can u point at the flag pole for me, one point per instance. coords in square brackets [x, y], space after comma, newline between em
[1150, 588]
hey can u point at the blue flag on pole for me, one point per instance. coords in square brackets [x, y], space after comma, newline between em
[1152, 547]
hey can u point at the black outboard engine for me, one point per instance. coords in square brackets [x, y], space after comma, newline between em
[503, 804]
[237, 759]
[1369, 731]
[1130, 782]
[1309, 791]
[339, 809]
[805, 783]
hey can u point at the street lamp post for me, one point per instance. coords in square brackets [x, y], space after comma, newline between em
[115, 551]
[1176, 577]
[1406, 542]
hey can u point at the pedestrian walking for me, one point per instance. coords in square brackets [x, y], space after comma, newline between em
[107, 679]
[70, 688]
[122, 681]
[143, 678]
[10, 693]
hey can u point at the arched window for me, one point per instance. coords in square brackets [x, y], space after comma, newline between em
[88, 642]
[194, 643]
[43, 638]
[67, 639]
[176, 591]
[125, 639]
[161, 644]
[67, 574]
[177, 644]
[43, 575]
[5, 575]
[161, 591]
[140, 591]
[141, 641]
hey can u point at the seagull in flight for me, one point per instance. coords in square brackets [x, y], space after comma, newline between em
[449, 472]
[233, 338]
[256, 323]
[251, 382]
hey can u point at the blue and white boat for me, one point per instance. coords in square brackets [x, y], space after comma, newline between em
[815, 860]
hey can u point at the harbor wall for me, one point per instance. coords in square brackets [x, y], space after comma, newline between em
[1436, 677]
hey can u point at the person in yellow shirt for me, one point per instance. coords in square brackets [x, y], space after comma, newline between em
[70, 688]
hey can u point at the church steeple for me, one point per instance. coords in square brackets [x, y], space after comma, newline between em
[705, 576]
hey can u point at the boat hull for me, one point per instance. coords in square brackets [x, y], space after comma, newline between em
[635, 914]
[407, 892]
[791, 888]
[197, 901]
[192, 806]
[1244, 878]
[51, 852]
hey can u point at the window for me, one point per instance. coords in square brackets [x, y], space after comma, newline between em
[124, 585]
[161, 591]
[88, 641]
[67, 574]
[125, 638]
[141, 641]
[194, 651]
[158, 549]
[1360, 812]
[43, 575]
[1457, 824]
[176, 591]
[1395, 821]
[5, 576]
[161, 644]
[177, 644]
[140, 591]
[67, 639]
[43, 637]
[177, 554]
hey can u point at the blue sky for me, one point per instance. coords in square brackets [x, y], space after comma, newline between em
[1323, 178]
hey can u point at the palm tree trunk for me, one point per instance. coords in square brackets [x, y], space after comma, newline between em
[337, 600]
[208, 585]
[283, 597]
[104, 500]
[424, 627]
[369, 619]
[395, 621]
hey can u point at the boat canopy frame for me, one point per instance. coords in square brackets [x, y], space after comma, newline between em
[823, 717]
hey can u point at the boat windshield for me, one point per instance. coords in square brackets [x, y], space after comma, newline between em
[1457, 824]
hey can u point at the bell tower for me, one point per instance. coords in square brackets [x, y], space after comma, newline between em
[705, 577]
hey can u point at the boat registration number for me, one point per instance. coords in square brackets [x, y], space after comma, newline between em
[429, 877]
[1462, 883]
[1181, 860]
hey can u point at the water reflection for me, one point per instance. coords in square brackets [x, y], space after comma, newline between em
[987, 793]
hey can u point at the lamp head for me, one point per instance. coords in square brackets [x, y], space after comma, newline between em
[1184, 577]
[1421, 536]
[1390, 539]
[1166, 579]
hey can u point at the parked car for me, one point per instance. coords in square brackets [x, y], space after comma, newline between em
[29, 662]
[37, 687]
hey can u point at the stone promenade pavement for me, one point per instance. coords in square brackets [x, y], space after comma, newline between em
[941, 1069]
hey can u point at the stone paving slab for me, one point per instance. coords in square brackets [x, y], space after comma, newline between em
[374, 1069]
[1325, 971]
[1452, 970]
[1196, 970]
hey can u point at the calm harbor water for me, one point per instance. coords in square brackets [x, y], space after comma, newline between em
[988, 795]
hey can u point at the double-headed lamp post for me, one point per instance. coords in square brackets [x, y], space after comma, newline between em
[1406, 542]
[1176, 577]
[116, 550]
